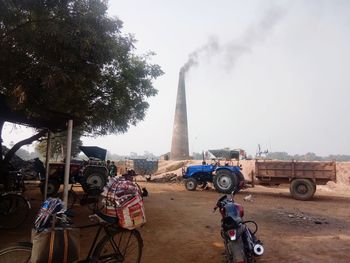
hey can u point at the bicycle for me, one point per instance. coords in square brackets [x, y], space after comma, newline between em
[117, 245]
[92, 198]
[14, 207]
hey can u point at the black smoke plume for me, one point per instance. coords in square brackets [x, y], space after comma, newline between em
[231, 51]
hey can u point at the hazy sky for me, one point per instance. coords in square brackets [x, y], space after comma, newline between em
[274, 73]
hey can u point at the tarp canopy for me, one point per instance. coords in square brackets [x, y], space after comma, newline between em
[94, 152]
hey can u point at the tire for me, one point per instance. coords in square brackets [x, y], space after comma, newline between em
[94, 200]
[52, 187]
[235, 251]
[125, 246]
[14, 210]
[93, 178]
[302, 189]
[191, 184]
[225, 181]
[19, 253]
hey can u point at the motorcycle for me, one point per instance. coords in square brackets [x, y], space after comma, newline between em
[241, 243]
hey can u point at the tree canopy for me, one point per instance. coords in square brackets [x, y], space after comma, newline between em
[67, 59]
[58, 147]
[70, 57]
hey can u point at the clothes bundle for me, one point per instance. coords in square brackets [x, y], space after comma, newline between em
[123, 199]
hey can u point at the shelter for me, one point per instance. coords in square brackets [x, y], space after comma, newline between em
[52, 122]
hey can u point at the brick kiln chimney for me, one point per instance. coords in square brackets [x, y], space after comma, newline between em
[179, 144]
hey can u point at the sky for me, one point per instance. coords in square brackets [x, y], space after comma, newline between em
[274, 73]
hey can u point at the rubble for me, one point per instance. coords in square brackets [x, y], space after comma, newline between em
[302, 217]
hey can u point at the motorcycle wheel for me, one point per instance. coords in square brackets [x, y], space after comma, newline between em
[235, 251]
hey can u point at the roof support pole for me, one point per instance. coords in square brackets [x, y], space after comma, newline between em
[48, 150]
[67, 163]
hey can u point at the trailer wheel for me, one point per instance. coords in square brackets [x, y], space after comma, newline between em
[302, 189]
[191, 184]
[225, 181]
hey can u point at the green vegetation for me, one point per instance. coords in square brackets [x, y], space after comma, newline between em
[67, 59]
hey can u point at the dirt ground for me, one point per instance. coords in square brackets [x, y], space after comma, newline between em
[182, 228]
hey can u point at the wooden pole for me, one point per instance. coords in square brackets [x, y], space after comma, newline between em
[67, 164]
[48, 150]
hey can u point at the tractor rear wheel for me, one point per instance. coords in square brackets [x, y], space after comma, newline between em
[93, 179]
[225, 181]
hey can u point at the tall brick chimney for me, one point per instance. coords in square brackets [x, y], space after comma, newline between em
[179, 144]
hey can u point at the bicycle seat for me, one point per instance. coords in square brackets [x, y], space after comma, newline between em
[107, 218]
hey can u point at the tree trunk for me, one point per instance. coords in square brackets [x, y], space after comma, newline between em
[5, 162]
[3, 170]
[1, 126]
[17, 146]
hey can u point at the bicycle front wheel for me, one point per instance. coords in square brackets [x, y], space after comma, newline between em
[125, 246]
[19, 253]
[14, 209]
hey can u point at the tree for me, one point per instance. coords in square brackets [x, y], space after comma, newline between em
[68, 57]
[58, 145]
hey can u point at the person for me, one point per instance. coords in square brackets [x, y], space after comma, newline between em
[112, 170]
[129, 176]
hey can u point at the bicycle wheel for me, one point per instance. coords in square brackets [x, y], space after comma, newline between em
[125, 246]
[19, 253]
[14, 209]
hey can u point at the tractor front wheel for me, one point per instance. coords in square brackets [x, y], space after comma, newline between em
[191, 184]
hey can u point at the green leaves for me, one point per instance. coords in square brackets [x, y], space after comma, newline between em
[70, 57]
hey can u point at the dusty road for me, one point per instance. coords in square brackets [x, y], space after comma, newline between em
[182, 228]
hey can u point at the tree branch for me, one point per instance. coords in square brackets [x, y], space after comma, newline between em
[18, 145]
[24, 24]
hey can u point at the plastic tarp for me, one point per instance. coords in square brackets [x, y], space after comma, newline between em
[144, 166]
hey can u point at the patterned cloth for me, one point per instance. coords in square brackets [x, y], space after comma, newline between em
[119, 191]
[123, 199]
[48, 208]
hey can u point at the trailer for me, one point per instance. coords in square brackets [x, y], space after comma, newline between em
[301, 176]
[140, 166]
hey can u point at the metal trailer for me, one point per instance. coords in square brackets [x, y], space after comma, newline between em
[139, 166]
[301, 176]
[145, 167]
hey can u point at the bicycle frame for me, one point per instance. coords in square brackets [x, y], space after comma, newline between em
[108, 230]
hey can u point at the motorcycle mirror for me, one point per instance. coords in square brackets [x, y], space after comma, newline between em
[233, 193]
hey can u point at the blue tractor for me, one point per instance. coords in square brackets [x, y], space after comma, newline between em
[225, 178]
